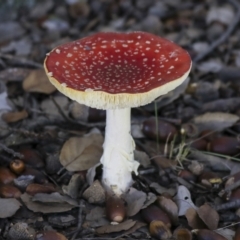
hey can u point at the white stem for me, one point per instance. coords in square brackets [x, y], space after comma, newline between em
[117, 160]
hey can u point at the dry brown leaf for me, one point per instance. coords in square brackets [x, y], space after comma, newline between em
[194, 221]
[37, 81]
[44, 207]
[72, 189]
[11, 117]
[216, 121]
[135, 200]
[209, 216]
[95, 213]
[81, 153]
[116, 228]
[169, 207]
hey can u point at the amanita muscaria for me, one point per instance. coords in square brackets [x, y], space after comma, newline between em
[117, 71]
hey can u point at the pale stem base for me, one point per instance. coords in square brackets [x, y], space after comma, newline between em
[117, 160]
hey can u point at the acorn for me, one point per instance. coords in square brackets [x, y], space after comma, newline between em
[224, 145]
[166, 131]
[159, 230]
[182, 234]
[50, 235]
[35, 188]
[31, 157]
[187, 175]
[17, 166]
[199, 144]
[208, 135]
[6, 176]
[153, 213]
[205, 234]
[115, 209]
[9, 191]
[39, 177]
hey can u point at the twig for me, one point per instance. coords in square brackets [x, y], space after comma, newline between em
[223, 37]
[10, 151]
[80, 219]
[21, 60]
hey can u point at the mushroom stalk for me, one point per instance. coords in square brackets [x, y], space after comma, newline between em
[117, 159]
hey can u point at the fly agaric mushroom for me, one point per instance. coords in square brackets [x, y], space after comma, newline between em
[115, 72]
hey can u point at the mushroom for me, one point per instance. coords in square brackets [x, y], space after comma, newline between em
[115, 72]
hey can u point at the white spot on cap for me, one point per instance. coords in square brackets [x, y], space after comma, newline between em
[171, 67]
[145, 59]
[50, 74]
[58, 51]
[104, 46]
[69, 55]
[156, 51]
[89, 90]
[125, 45]
[138, 37]
[148, 42]
[64, 84]
[57, 63]
[47, 54]
[148, 48]
[74, 48]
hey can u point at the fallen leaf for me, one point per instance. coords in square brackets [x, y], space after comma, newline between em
[81, 153]
[9, 206]
[135, 227]
[194, 221]
[11, 117]
[168, 206]
[216, 163]
[116, 228]
[45, 207]
[209, 216]
[37, 81]
[95, 213]
[215, 121]
[183, 200]
[226, 232]
[151, 198]
[135, 200]
[54, 198]
[72, 189]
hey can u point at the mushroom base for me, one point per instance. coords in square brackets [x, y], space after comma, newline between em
[117, 160]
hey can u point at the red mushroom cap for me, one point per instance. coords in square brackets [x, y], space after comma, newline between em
[117, 70]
